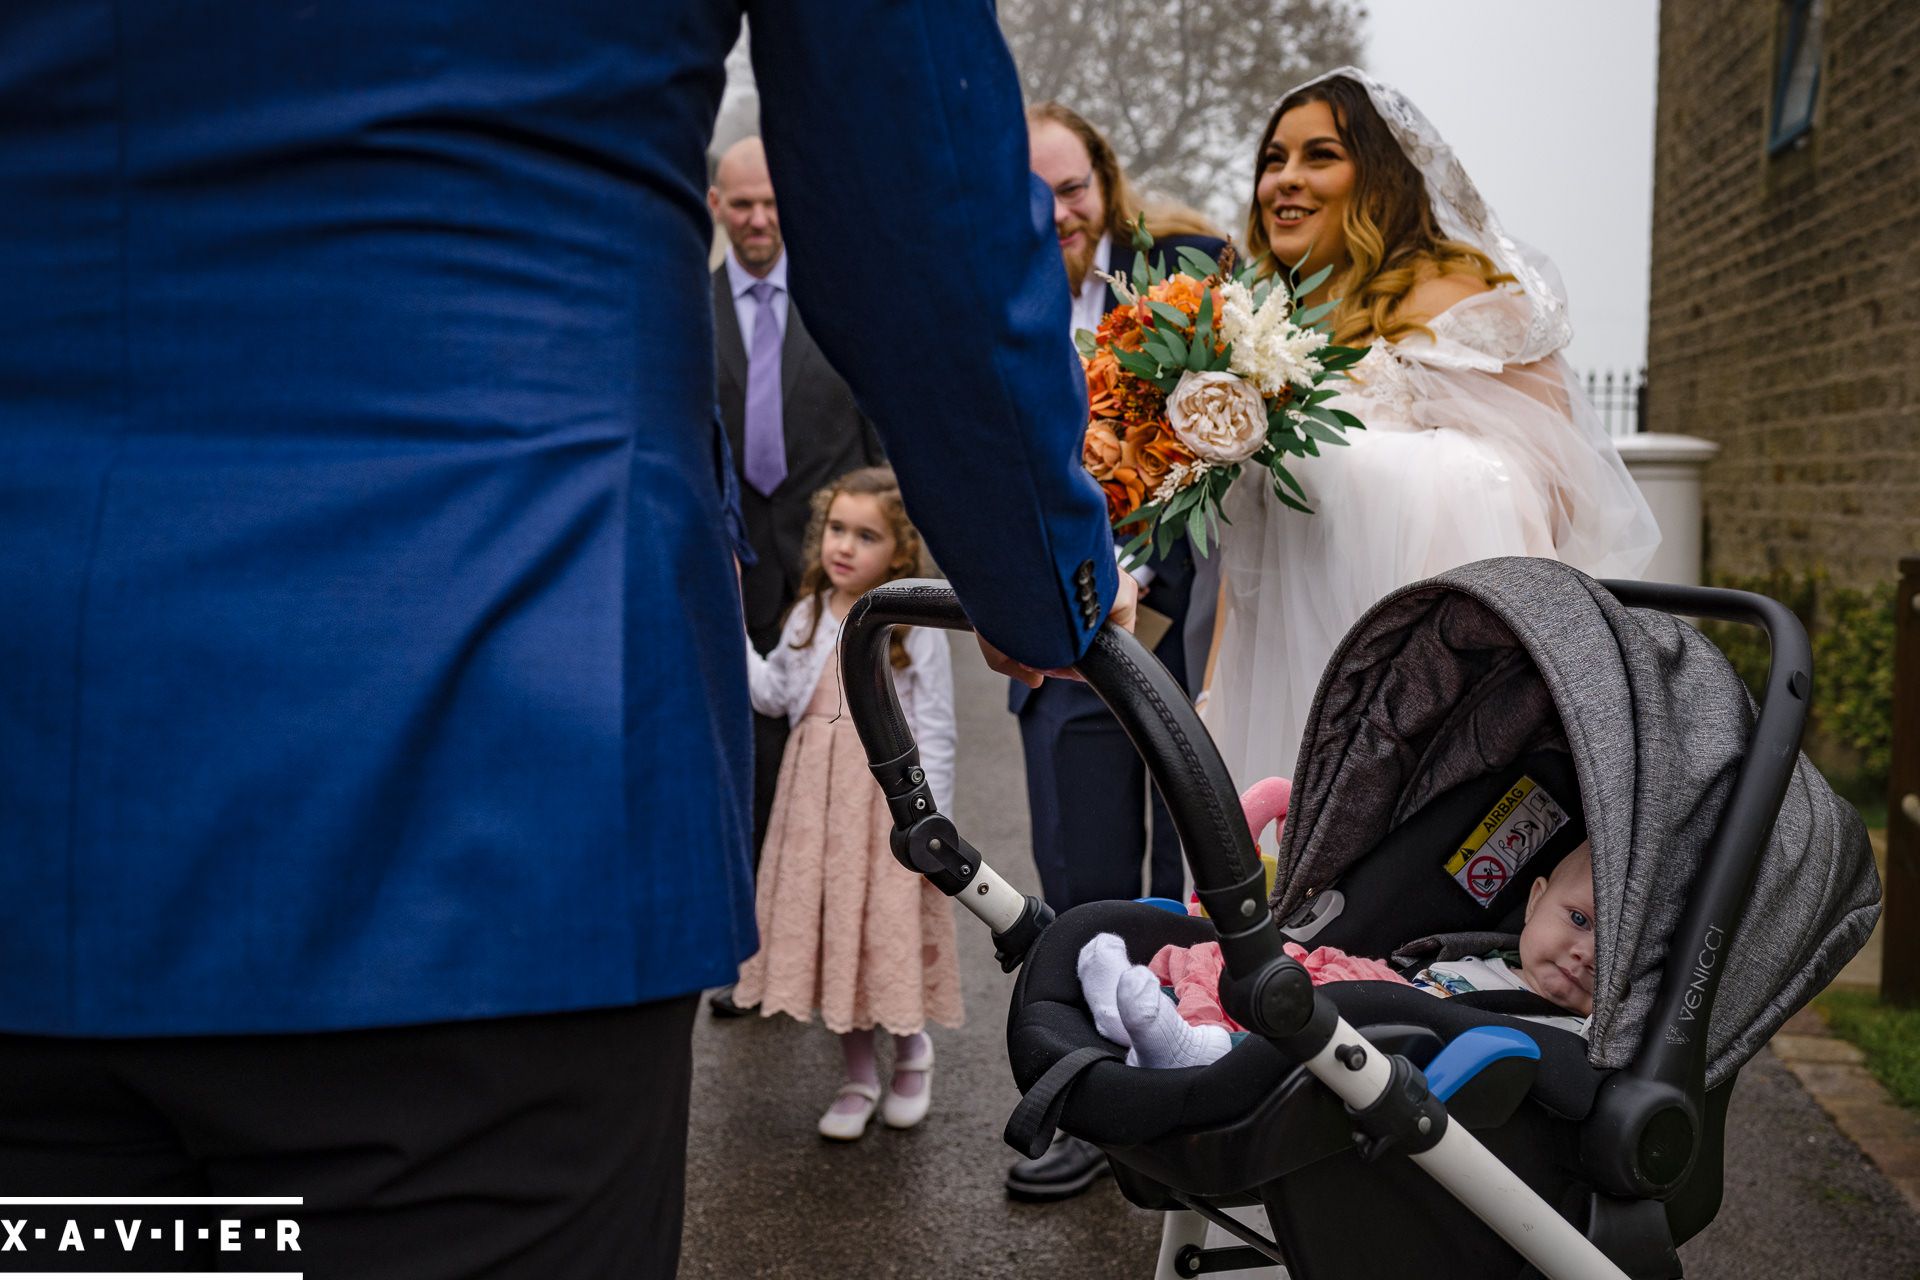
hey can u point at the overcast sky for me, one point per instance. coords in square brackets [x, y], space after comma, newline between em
[1549, 104]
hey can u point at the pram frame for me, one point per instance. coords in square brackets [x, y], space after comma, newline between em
[1643, 1135]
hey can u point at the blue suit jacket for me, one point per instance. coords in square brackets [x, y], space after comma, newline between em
[371, 651]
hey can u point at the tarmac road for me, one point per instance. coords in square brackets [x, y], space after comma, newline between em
[766, 1196]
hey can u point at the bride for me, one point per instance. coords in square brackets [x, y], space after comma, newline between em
[1478, 442]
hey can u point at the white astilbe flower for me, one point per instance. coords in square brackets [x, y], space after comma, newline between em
[1179, 477]
[1269, 350]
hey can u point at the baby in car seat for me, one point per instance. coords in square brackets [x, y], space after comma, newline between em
[1168, 1015]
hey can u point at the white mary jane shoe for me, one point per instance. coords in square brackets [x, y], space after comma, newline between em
[902, 1112]
[847, 1126]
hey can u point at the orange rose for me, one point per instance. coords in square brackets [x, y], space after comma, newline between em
[1103, 377]
[1100, 451]
[1125, 493]
[1155, 451]
[1181, 291]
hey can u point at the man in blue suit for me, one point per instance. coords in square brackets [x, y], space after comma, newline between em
[375, 725]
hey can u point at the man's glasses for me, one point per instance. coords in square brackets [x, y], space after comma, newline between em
[1068, 192]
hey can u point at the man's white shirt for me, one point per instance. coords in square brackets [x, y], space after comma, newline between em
[1089, 305]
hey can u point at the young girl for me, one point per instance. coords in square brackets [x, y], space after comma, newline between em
[843, 927]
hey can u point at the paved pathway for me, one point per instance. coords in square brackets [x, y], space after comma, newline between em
[767, 1197]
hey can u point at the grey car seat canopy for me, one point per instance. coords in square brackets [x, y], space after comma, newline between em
[1467, 673]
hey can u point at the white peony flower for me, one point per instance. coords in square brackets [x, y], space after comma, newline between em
[1217, 416]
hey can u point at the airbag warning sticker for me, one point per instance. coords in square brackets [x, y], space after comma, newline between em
[1512, 832]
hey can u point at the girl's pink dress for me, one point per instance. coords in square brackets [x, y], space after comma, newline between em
[843, 927]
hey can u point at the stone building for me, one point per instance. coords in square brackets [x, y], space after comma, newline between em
[1785, 301]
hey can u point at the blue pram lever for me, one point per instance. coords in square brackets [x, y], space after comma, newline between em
[1377, 1093]
[1471, 1052]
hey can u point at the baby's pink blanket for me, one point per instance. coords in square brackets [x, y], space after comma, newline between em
[1194, 974]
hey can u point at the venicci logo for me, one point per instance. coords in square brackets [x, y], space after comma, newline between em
[1702, 969]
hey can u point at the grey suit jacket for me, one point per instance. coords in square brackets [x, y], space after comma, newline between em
[826, 435]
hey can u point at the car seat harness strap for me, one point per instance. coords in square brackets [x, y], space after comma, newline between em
[1031, 1127]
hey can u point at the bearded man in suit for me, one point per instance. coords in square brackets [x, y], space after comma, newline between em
[1087, 790]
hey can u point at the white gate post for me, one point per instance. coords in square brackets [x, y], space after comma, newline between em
[1667, 468]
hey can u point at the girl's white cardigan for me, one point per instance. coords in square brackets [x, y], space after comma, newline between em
[782, 684]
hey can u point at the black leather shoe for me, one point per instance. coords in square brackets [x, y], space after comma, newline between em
[1063, 1171]
[722, 1005]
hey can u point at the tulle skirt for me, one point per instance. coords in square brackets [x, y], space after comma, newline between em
[1454, 466]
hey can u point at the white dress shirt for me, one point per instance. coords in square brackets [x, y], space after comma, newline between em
[746, 308]
[783, 684]
[1090, 304]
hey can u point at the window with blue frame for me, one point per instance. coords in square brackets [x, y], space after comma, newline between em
[1796, 78]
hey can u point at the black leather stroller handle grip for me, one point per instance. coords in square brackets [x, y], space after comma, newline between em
[1150, 705]
[1675, 1049]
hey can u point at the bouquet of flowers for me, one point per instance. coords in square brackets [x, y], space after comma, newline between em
[1196, 375]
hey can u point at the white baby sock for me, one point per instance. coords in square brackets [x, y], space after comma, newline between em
[1102, 961]
[1160, 1037]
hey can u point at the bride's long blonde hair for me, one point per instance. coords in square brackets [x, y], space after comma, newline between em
[1393, 240]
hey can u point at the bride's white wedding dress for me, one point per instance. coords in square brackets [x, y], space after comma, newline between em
[1475, 446]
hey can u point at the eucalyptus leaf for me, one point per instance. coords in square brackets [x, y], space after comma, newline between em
[1195, 263]
[1301, 507]
[1163, 535]
[1141, 271]
[1314, 315]
[1324, 434]
[1197, 528]
[1184, 499]
[1348, 421]
[1169, 313]
[1312, 282]
[1086, 343]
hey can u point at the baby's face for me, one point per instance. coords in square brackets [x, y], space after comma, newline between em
[1556, 944]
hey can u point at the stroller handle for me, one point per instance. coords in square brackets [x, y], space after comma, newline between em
[1163, 726]
[1675, 1050]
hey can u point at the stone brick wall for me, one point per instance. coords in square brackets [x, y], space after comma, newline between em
[1785, 303]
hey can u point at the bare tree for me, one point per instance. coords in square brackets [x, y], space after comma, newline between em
[1180, 86]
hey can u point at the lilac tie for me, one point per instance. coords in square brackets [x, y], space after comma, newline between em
[765, 465]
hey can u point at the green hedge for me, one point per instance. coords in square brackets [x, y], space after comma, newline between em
[1852, 632]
